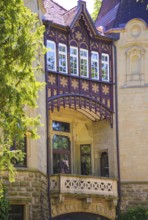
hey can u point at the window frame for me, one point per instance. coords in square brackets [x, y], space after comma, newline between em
[106, 63]
[87, 66]
[62, 53]
[97, 61]
[74, 56]
[63, 154]
[54, 51]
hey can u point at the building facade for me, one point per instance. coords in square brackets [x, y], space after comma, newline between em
[91, 158]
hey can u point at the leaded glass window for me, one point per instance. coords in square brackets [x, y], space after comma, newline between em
[62, 58]
[105, 67]
[51, 55]
[94, 65]
[83, 63]
[74, 61]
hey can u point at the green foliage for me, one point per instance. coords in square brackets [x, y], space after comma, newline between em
[4, 206]
[138, 213]
[97, 5]
[21, 39]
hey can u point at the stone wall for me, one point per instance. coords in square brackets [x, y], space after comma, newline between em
[30, 189]
[134, 194]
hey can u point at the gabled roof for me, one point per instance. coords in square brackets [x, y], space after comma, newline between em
[68, 18]
[116, 13]
[54, 12]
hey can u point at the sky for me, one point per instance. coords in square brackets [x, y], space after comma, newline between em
[68, 4]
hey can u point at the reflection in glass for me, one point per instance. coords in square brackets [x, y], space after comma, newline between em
[61, 126]
[60, 142]
[61, 154]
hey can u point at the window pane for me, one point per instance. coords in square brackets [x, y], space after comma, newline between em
[61, 163]
[62, 58]
[84, 63]
[60, 142]
[61, 126]
[16, 212]
[105, 67]
[85, 159]
[51, 56]
[62, 48]
[19, 145]
[73, 61]
[104, 165]
[94, 65]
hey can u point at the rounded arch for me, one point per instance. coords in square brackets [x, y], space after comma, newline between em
[93, 109]
[80, 216]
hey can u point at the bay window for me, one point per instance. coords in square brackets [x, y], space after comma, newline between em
[83, 63]
[94, 65]
[105, 67]
[51, 55]
[62, 55]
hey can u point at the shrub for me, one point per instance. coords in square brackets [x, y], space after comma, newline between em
[138, 213]
[4, 206]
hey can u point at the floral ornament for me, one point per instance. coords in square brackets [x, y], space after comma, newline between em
[78, 36]
[105, 90]
[52, 79]
[63, 81]
[95, 88]
[85, 86]
[74, 84]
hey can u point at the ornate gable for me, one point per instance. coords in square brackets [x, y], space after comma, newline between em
[83, 21]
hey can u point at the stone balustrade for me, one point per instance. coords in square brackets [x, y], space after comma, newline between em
[74, 184]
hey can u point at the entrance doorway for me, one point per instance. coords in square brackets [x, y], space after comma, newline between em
[80, 216]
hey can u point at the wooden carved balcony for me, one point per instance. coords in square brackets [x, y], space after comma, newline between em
[92, 97]
[83, 185]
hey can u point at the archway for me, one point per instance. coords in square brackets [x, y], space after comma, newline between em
[80, 216]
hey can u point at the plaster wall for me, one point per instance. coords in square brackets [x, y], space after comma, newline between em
[132, 65]
[36, 149]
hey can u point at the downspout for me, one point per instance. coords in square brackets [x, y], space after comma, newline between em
[117, 134]
[47, 133]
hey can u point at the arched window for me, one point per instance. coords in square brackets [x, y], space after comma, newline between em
[104, 164]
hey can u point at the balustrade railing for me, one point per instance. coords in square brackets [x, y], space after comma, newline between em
[61, 183]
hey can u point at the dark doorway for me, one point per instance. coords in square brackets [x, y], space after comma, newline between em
[80, 216]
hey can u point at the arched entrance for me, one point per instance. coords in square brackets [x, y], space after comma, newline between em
[80, 216]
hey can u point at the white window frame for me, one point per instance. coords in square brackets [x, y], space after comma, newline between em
[74, 56]
[63, 54]
[107, 64]
[95, 61]
[86, 59]
[54, 52]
